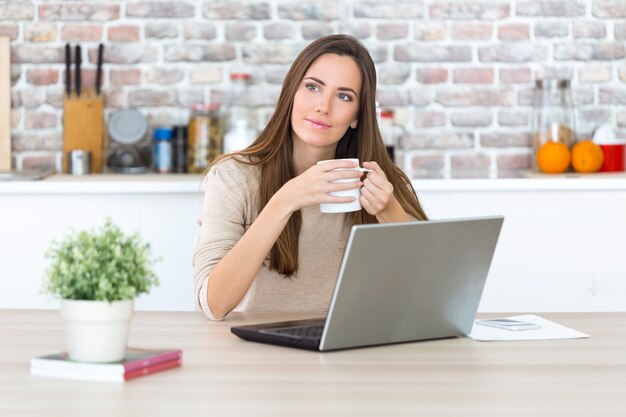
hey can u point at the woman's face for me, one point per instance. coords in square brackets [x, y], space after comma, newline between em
[326, 102]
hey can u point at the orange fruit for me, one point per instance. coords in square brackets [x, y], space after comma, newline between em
[587, 157]
[553, 157]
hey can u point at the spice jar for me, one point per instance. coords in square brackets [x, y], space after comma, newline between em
[553, 118]
[204, 136]
[162, 150]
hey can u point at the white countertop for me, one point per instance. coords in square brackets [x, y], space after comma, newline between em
[191, 183]
[107, 184]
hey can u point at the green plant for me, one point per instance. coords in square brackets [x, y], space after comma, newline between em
[103, 264]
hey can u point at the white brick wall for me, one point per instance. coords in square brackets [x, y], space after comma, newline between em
[459, 74]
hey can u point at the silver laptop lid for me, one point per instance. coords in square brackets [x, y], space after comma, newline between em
[402, 282]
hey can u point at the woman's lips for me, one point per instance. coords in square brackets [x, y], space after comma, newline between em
[316, 124]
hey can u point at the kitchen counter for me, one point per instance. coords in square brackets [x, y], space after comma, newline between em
[561, 247]
[107, 183]
[191, 183]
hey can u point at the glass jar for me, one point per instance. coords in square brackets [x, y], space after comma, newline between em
[553, 116]
[204, 136]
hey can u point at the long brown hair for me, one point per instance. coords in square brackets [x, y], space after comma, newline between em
[273, 149]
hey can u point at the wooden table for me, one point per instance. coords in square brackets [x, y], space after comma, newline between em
[225, 376]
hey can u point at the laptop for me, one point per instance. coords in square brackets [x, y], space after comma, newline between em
[398, 282]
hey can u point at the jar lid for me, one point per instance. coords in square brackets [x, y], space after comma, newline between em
[564, 83]
[162, 133]
[127, 126]
[552, 83]
[239, 76]
[386, 114]
[180, 131]
[206, 107]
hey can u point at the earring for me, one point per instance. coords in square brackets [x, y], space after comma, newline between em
[353, 125]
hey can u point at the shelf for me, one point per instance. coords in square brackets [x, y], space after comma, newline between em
[107, 184]
[192, 184]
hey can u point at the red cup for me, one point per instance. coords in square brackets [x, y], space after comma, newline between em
[613, 157]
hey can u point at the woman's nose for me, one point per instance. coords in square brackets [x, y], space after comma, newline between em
[323, 104]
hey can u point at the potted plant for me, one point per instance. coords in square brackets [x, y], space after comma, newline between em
[97, 274]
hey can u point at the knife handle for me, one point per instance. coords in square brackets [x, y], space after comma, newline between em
[77, 68]
[99, 69]
[68, 71]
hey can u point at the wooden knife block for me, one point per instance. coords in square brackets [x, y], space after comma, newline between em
[83, 127]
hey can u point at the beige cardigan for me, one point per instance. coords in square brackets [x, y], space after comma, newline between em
[230, 207]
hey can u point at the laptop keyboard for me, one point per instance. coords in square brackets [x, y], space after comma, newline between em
[309, 332]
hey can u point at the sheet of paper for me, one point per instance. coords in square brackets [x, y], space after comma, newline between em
[548, 330]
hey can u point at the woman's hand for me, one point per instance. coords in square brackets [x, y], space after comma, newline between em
[377, 196]
[315, 184]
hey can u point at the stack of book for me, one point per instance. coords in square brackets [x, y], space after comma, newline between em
[136, 363]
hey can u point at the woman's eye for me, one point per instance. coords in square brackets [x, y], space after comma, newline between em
[312, 87]
[344, 97]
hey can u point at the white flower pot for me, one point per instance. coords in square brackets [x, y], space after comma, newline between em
[96, 331]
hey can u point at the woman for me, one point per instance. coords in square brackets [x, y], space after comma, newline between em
[264, 245]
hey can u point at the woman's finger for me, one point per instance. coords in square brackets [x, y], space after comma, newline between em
[334, 164]
[374, 167]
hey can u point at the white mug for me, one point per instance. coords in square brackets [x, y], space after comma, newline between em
[356, 192]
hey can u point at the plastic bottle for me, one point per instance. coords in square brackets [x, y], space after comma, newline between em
[388, 132]
[240, 129]
[163, 150]
[180, 149]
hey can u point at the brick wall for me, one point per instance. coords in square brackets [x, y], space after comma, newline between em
[459, 74]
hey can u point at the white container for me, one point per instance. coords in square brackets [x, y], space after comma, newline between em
[96, 331]
[238, 136]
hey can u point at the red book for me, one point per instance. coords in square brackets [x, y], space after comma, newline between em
[153, 368]
[136, 363]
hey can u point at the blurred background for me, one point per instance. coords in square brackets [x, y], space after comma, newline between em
[459, 76]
